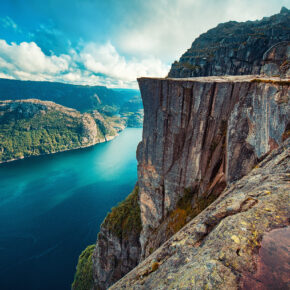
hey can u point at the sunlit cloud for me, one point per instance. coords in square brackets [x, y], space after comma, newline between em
[93, 65]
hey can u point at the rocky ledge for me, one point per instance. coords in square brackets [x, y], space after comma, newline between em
[236, 243]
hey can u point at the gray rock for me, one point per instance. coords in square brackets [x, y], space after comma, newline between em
[229, 255]
[202, 134]
[234, 48]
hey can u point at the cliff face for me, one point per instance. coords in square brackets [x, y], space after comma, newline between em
[117, 250]
[199, 135]
[238, 242]
[233, 48]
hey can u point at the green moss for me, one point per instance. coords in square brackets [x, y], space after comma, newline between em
[83, 279]
[188, 207]
[125, 218]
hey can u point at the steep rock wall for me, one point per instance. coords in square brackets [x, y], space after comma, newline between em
[199, 135]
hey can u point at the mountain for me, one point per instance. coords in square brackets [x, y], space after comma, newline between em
[81, 98]
[212, 178]
[233, 48]
[33, 127]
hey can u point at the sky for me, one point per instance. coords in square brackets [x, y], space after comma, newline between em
[109, 42]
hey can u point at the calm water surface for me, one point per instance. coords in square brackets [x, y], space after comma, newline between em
[51, 208]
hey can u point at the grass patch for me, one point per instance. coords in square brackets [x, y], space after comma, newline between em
[125, 218]
[188, 207]
[83, 279]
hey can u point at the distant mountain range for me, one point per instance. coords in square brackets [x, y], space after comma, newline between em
[45, 117]
[81, 98]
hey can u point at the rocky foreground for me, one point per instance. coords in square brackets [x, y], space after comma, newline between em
[239, 242]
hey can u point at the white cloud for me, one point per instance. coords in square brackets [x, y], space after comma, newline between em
[168, 27]
[93, 65]
[29, 58]
[105, 59]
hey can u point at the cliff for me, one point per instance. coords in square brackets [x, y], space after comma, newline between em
[238, 242]
[33, 127]
[233, 48]
[202, 137]
[117, 250]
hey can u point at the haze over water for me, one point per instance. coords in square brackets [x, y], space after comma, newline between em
[51, 208]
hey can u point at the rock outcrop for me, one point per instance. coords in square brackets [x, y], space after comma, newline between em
[233, 48]
[199, 135]
[234, 244]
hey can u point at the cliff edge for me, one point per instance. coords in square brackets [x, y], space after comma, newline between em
[200, 135]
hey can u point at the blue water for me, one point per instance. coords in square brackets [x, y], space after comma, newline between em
[51, 208]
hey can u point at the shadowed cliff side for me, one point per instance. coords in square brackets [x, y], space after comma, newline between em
[117, 250]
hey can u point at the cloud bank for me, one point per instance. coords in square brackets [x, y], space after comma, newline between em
[92, 65]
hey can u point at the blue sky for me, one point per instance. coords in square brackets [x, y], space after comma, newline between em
[109, 42]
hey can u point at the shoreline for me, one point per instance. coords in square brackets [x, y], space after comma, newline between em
[110, 138]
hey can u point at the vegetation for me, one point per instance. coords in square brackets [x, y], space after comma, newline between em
[134, 119]
[132, 112]
[33, 127]
[83, 279]
[188, 207]
[125, 218]
[42, 131]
